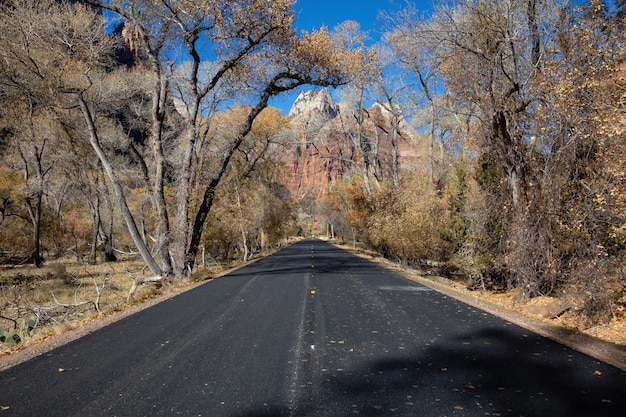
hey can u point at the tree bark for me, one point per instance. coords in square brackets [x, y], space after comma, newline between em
[117, 189]
[535, 38]
[35, 218]
[95, 217]
[158, 187]
[109, 252]
[394, 153]
[34, 202]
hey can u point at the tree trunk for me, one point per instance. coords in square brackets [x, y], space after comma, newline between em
[514, 185]
[162, 249]
[35, 218]
[107, 235]
[244, 238]
[34, 207]
[394, 153]
[203, 211]
[366, 183]
[118, 190]
[535, 38]
[95, 217]
[433, 124]
[511, 159]
[185, 182]
[109, 252]
[244, 242]
[183, 194]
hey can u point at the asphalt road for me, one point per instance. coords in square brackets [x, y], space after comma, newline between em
[312, 331]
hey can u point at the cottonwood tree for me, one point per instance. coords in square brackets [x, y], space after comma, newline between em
[250, 206]
[412, 52]
[31, 153]
[529, 96]
[392, 90]
[353, 117]
[39, 51]
[248, 50]
[485, 52]
[582, 125]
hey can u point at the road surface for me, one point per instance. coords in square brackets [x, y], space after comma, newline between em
[312, 331]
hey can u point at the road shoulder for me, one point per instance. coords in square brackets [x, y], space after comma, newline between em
[602, 350]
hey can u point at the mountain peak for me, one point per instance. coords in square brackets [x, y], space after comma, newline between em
[319, 101]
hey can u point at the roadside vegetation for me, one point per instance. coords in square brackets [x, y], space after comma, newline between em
[37, 303]
[520, 111]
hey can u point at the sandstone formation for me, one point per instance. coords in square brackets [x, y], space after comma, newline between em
[333, 142]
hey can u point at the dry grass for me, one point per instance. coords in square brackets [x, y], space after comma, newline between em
[66, 295]
[537, 308]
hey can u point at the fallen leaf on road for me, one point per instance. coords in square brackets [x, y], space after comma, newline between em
[597, 373]
[4, 407]
[61, 370]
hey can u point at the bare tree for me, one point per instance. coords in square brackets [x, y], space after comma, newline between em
[486, 55]
[249, 50]
[392, 89]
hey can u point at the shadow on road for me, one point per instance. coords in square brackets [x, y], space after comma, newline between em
[310, 256]
[467, 380]
[486, 373]
[503, 371]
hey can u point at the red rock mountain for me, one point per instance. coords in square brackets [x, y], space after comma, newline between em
[334, 142]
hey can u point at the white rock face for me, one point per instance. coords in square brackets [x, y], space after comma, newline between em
[319, 101]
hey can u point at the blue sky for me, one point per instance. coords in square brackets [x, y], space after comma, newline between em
[312, 14]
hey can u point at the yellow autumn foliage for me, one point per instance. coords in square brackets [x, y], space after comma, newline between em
[406, 225]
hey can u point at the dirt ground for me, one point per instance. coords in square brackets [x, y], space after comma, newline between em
[606, 343]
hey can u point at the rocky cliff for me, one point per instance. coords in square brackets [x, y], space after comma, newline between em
[334, 142]
[308, 102]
